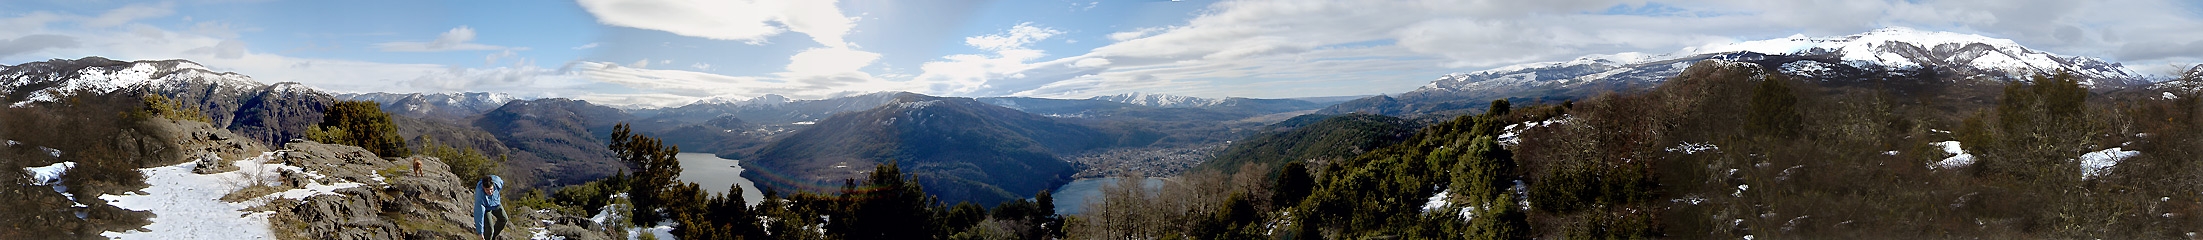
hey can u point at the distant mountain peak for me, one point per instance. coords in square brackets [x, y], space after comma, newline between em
[1160, 100]
[766, 99]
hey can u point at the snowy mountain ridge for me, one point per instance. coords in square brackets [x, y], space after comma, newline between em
[767, 99]
[425, 104]
[1888, 52]
[1160, 100]
[39, 81]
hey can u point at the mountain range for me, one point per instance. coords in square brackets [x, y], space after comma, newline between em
[1891, 53]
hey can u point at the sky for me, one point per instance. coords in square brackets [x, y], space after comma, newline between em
[660, 53]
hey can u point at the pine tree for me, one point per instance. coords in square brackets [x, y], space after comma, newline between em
[1293, 184]
[1774, 108]
[655, 168]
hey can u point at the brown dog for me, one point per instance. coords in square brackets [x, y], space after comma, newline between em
[416, 167]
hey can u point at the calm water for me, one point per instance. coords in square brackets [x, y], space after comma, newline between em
[1071, 198]
[715, 174]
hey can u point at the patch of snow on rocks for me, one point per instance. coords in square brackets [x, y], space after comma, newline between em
[1511, 134]
[1437, 201]
[49, 174]
[1959, 158]
[2094, 163]
[1808, 68]
[1694, 148]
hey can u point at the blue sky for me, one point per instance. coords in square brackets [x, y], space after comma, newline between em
[669, 52]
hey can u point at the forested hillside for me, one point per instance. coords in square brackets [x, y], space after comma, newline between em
[1728, 150]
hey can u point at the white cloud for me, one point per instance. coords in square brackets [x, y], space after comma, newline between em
[457, 39]
[1091, 62]
[817, 61]
[1017, 37]
[130, 13]
[32, 43]
[747, 21]
[1135, 34]
[701, 66]
[969, 73]
[493, 57]
[586, 46]
[669, 87]
[28, 23]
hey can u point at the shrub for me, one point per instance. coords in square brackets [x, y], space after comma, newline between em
[360, 123]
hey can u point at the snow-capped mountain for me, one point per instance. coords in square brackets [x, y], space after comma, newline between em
[271, 113]
[767, 99]
[37, 82]
[434, 104]
[1160, 100]
[1883, 53]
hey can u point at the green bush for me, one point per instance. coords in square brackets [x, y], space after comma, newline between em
[468, 164]
[360, 123]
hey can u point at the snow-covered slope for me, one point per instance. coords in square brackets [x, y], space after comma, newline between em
[1888, 53]
[1160, 100]
[189, 205]
[2192, 81]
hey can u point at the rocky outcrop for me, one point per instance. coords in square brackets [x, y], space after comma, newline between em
[396, 201]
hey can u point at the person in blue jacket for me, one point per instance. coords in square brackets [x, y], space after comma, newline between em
[487, 205]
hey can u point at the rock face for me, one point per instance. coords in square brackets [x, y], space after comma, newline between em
[210, 145]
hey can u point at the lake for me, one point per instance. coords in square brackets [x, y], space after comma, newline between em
[1071, 198]
[715, 174]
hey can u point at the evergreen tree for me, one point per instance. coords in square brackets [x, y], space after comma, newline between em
[889, 206]
[1293, 184]
[656, 171]
[1499, 108]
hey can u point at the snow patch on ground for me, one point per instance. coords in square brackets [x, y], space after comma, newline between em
[1694, 148]
[1958, 159]
[2094, 163]
[189, 206]
[1437, 201]
[1808, 68]
[1511, 135]
[663, 231]
[49, 174]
